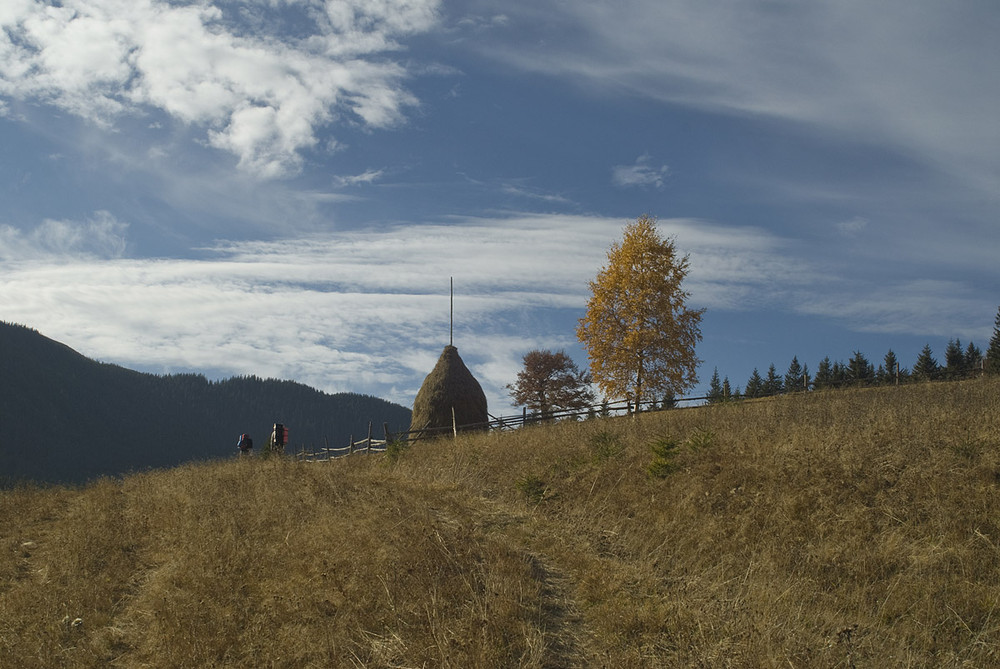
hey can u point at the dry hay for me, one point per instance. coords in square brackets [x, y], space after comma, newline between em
[450, 385]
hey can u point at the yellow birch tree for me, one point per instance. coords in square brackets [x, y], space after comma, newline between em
[638, 331]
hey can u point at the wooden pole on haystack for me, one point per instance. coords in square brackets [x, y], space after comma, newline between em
[450, 396]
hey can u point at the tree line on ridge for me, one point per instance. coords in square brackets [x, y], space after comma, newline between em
[959, 363]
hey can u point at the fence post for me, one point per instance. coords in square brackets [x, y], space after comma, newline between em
[368, 446]
[351, 449]
[454, 425]
[385, 428]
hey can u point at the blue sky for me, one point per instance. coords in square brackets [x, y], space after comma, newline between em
[284, 187]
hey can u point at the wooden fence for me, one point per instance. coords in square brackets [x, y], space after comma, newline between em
[499, 423]
[367, 445]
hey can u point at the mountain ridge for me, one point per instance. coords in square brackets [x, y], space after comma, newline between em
[65, 418]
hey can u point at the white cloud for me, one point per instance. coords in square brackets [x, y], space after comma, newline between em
[518, 188]
[366, 177]
[642, 173]
[259, 96]
[100, 236]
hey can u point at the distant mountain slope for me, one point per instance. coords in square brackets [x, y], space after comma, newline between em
[67, 418]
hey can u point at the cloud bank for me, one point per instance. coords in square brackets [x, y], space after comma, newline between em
[258, 79]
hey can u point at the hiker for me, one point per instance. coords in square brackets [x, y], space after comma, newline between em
[279, 437]
[245, 444]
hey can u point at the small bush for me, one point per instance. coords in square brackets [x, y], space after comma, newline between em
[664, 450]
[605, 445]
[532, 487]
[700, 439]
[395, 449]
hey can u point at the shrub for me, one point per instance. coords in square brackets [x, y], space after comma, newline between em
[663, 465]
[700, 439]
[605, 445]
[532, 487]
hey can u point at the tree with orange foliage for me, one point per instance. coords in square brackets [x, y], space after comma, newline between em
[551, 382]
[638, 331]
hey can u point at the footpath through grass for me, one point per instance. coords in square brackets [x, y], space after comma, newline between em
[835, 529]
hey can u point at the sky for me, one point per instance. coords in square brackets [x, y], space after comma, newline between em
[287, 188]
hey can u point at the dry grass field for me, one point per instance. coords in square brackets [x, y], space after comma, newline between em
[830, 529]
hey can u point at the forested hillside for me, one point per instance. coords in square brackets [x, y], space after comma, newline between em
[66, 418]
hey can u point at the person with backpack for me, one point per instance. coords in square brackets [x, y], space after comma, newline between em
[245, 444]
[279, 438]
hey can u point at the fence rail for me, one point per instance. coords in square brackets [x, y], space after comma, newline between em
[366, 445]
[372, 445]
[605, 409]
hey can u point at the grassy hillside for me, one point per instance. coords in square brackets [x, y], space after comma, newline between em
[841, 529]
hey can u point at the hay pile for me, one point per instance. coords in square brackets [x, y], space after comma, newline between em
[450, 385]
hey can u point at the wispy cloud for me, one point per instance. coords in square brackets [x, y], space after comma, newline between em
[523, 191]
[927, 307]
[852, 227]
[100, 236]
[366, 177]
[913, 77]
[640, 174]
[259, 95]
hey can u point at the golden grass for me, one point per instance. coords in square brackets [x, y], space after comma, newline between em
[828, 529]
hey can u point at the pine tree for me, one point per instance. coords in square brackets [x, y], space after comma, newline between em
[714, 388]
[973, 358]
[795, 377]
[824, 375]
[859, 371]
[993, 351]
[926, 367]
[889, 369]
[772, 383]
[838, 374]
[954, 360]
[755, 386]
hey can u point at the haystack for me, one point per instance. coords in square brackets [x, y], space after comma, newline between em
[450, 385]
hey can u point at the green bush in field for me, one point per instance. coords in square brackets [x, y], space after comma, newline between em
[700, 439]
[605, 445]
[395, 448]
[532, 487]
[664, 450]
